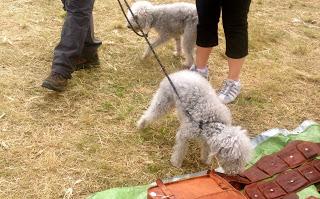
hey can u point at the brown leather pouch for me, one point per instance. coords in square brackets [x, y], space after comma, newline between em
[271, 190]
[272, 164]
[292, 156]
[291, 181]
[203, 187]
[309, 149]
[286, 184]
[254, 174]
[316, 164]
[291, 196]
[295, 159]
[252, 191]
[309, 172]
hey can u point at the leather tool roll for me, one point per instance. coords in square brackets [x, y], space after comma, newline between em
[286, 184]
[294, 168]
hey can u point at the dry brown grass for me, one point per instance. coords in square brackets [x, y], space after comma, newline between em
[85, 138]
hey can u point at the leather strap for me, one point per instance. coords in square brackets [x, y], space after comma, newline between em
[220, 181]
[236, 181]
[164, 189]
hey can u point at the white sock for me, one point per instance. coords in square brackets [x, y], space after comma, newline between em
[202, 70]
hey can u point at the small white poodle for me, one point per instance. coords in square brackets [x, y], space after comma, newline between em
[210, 123]
[174, 20]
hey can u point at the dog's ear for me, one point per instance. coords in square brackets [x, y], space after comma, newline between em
[149, 20]
[142, 13]
[145, 18]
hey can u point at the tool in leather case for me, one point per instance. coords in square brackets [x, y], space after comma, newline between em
[277, 176]
[281, 175]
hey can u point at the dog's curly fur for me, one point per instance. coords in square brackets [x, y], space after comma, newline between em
[175, 20]
[229, 144]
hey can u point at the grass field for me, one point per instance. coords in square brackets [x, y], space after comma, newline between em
[85, 139]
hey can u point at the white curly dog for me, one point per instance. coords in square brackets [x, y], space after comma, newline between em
[211, 123]
[174, 20]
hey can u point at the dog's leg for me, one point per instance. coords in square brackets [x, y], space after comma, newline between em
[188, 43]
[204, 152]
[180, 148]
[160, 40]
[161, 103]
[210, 158]
[178, 46]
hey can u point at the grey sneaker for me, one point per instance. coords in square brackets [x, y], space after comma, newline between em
[229, 91]
[204, 73]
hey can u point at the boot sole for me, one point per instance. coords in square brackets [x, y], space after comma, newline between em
[50, 86]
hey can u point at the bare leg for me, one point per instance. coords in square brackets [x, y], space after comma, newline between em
[235, 66]
[202, 57]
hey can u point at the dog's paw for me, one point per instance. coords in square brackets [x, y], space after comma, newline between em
[142, 123]
[145, 56]
[177, 53]
[186, 66]
[206, 161]
[176, 163]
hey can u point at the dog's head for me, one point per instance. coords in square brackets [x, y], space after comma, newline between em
[141, 14]
[233, 149]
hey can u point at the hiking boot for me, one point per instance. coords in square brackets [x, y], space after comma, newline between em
[203, 72]
[229, 91]
[86, 61]
[55, 82]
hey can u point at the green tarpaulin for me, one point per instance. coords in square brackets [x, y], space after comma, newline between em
[267, 147]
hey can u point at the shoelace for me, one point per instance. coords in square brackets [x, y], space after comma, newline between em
[57, 76]
[228, 88]
[225, 87]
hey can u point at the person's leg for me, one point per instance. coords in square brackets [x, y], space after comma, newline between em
[89, 55]
[207, 32]
[235, 25]
[91, 44]
[73, 36]
[235, 66]
[234, 16]
[71, 45]
[202, 56]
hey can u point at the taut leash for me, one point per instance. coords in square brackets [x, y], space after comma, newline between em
[145, 36]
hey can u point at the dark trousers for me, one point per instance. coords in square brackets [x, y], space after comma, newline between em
[235, 25]
[77, 36]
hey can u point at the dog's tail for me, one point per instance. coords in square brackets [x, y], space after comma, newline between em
[161, 103]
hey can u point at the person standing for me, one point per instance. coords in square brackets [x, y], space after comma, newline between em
[235, 25]
[77, 47]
